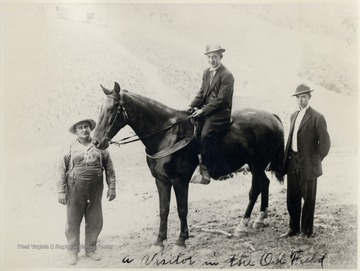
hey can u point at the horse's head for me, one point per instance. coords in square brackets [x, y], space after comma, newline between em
[112, 117]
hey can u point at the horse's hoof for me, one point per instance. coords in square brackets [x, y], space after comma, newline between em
[261, 221]
[260, 224]
[156, 248]
[178, 249]
[240, 234]
[241, 231]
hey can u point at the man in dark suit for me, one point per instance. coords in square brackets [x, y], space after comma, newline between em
[307, 145]
[213, 104]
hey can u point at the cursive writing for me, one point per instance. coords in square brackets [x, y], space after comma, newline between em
[158, 260]
[269, 259]
[242, 260]
[298, 257]
[127, 259]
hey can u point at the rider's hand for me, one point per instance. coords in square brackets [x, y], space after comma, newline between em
[198, 113]
[190, 109]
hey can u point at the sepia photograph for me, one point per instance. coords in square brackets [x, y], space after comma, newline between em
[179, 134]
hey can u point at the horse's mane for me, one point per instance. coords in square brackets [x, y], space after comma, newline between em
[151, 103]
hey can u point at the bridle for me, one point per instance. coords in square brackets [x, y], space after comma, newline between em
[121, 110]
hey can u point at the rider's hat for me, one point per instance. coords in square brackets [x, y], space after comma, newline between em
[213, 48]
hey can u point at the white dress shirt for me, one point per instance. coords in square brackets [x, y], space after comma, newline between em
[298, 120]
[212, 72]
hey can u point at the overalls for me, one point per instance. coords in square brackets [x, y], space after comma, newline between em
[84, 193]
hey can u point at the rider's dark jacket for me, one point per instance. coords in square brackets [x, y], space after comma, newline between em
[216, 98]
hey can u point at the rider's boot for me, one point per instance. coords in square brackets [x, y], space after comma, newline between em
[201, 174]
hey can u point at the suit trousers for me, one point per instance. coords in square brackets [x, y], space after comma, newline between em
[208, 137]
[84, 200]
[298, 189]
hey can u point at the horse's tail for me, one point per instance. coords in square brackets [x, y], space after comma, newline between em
[276, 163]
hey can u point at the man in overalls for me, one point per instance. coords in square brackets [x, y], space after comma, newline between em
[81, 187]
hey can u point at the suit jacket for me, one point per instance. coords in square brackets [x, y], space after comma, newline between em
[216, 98]
[313, 143]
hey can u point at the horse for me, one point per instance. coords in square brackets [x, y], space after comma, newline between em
[255, 138]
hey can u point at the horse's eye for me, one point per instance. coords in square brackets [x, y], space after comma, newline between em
[110, 110]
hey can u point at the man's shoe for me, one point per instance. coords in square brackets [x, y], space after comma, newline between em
[93, 256]
[200, 176]
[289, 233]
[72, 258]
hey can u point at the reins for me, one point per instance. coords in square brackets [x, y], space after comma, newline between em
[123, 140]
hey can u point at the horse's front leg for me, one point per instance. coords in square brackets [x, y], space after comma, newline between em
[164, 190]
[255, 190]
[181, 192]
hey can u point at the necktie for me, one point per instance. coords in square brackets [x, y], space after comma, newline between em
[212, 73]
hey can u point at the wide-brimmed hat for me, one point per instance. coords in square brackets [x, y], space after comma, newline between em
[213, 48]
[301, 89]
[91, 122]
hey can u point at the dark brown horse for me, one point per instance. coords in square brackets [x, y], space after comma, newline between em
[255, 138]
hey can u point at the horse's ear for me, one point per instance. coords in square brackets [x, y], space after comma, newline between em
[106, 91]
[117, 88]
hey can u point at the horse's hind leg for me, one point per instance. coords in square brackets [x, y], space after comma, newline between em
[260, 220]
[265, 193]
[164, 190]
[181, 192]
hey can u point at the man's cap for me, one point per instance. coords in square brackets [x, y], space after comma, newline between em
[213, 48]
[91, 122]
[301, 89]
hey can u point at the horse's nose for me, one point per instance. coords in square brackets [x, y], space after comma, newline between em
[96, 142]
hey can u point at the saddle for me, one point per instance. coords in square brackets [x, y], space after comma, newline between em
[198, 124]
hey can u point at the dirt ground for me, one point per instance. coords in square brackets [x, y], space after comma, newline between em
[56, 57]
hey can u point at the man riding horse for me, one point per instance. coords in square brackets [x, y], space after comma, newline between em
[212, 105]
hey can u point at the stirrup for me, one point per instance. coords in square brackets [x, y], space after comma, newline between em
[198, 176]
[204, 172]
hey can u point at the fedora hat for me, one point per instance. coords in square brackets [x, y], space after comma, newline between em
[301, 89]
[91, 122]
[213, 48]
